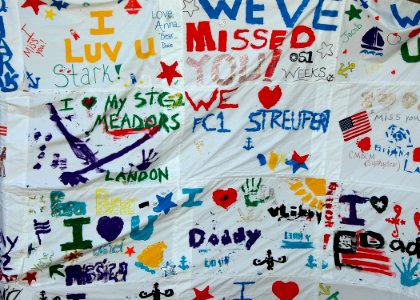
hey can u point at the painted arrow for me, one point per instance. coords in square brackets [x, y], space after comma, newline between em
[55, 270]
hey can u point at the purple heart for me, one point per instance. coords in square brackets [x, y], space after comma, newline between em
[109, 228]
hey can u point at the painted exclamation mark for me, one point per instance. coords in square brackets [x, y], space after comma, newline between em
[118, 69]
[326, 240]
[273, 64]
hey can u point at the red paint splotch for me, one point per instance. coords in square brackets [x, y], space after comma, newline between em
[416, 154]
[119, 133]
[364, 144]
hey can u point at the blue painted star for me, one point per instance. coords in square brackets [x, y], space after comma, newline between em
[59, 4]
[165, 203]
[297, 162]
[168, 269]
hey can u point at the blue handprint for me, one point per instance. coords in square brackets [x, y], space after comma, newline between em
[408, 274]
[147, 161]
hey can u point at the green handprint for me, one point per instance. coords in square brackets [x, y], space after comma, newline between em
[251, 190]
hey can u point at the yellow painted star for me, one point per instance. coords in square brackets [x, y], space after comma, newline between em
[49, 14]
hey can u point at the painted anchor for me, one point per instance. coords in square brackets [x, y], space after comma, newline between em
[343, 70]
[248, 146]
[33, 84]
[183, 263]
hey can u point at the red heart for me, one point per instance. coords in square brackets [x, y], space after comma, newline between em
[89, 102]
[225, 198]
[269, 97]
[395, 34]
[393, 72]
[345, 51]
[364, 144]
[377, 18]
[417, 220]
[285, 290]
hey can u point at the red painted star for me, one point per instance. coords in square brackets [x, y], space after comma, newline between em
[169, 72]
[130, 251]
[30, 276]
[299, 159]
[203, 295]
[73, 255]
[35, 4]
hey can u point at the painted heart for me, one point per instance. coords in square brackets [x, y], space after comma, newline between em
[285, 290]
[345, 51]
[379, 204]
[89, 102]
[364, 144]
[393, 72]
[377, 18]
[225, 198]
[269, 97]
[109, 228]
[417, 220]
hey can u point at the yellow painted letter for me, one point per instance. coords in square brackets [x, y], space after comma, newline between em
[101, 30]
[69, 57]
[143, 55]
[112, 54]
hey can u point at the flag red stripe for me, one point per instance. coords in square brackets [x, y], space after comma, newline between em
[356, 134]
[363, 263]
[384, 272]
[359, 123]
[362, 113]
[360, 119]
[356, 131]
[369, 251]
[376, 256]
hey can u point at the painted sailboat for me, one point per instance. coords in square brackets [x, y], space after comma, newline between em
[372, 40]
[132, 7]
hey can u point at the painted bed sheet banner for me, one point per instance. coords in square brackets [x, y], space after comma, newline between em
[200, 149]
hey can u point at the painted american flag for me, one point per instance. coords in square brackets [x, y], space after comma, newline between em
[365, 259]
[3, 130]
[355, 125]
